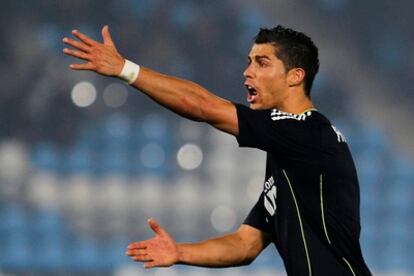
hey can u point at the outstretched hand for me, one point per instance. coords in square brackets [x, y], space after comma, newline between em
[160, 251]
[102, 58]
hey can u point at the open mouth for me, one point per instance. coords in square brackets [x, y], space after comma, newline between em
[251, 93]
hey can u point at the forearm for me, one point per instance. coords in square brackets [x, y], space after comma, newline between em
[183, 97]
[235, 249]
[223, 251]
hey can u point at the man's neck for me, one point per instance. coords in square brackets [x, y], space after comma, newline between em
[296, 105]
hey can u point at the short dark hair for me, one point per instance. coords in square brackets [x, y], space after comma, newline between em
[294, 49]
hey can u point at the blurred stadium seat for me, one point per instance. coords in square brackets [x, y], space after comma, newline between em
[96, 174]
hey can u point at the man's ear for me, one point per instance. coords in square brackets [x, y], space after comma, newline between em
[296, 77]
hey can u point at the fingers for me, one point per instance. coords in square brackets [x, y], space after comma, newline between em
[140, 255]
[81, 51]
[156, 227]
[82, 66]
[136, 252]
[84, 38]
[77, 45]
[142, 258]
[107, 36]
[137, 245]
[150, 264]
[76, 54]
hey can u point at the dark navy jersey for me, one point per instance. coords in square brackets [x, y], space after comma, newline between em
[310, 199]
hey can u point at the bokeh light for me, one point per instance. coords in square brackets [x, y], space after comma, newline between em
[223, 218]
[13, 161]
[115, 95]
[189, 156]
[83, 94]
[43, 191]
[152, 156]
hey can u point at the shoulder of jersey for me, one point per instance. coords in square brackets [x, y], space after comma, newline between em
[277, 115]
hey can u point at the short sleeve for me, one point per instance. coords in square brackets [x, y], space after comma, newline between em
[274, 131]
[257, 218]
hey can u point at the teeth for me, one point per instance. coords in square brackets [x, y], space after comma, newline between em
[250, 88]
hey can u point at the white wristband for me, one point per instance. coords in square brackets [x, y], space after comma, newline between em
[129, 72]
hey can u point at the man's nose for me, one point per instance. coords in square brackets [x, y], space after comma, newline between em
[248, 72]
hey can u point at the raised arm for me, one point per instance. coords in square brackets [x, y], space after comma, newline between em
[183, 97]
[235, 249]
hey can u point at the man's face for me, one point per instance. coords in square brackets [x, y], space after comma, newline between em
[265, 78]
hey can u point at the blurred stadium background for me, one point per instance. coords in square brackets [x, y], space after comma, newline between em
[85, 160]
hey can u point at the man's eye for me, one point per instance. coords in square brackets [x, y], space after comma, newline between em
[262, 64]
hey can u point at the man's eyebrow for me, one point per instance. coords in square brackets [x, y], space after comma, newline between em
[263, 56]
[249, 58]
